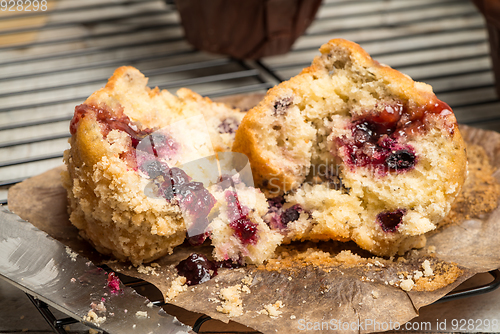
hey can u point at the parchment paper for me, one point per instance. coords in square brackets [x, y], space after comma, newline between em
[337, 287]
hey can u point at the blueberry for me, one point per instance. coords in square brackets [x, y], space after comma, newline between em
[400, 160]
[390, 220]
[291, 214]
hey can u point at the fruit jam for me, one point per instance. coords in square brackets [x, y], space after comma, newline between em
[378, 138]
[197, 268]
[146, 148]
[243, 227]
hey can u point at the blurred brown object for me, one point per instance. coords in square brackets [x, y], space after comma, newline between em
[14, 18]
[491, 11]
[246, 29]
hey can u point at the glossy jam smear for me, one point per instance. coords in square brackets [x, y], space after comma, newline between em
[194, 199]
[197, 268]
[115, 120]
[145, 153]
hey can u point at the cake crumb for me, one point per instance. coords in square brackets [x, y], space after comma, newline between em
[426, 265]
[272, 310]
[147, 270]
[98, 307]
[407, 284]
[292, 317]
[431, 249]
[178, 286]
[418, 274]
[141, 314]
[246, 289]
[150, 305]
[247, 280]
[94, 318]
[71, 254]
[375, 294]
[231, 301]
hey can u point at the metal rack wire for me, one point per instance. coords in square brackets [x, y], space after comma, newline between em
[53, 60]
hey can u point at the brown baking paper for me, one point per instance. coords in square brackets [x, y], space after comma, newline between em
[326, 284]
[264, 27]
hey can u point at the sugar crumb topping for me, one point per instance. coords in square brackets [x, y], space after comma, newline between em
[178, 286]
[232, 304]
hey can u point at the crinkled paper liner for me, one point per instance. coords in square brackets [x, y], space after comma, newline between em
[318, 287]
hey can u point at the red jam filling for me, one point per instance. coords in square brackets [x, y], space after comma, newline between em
[113, 283]
[115, 120]
[193, 198]
[390, 221]
[243, 227]
[378, 138]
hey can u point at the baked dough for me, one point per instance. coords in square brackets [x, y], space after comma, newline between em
[351, 149]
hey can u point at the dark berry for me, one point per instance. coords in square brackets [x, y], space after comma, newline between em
[389, 221]
[229, 125]
[245, 229]
[276, 202]
[291, 214]
[154, 168]
[401, 159]
[197, 269]
[281, 106]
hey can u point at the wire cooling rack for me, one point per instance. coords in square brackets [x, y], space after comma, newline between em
[52, 59]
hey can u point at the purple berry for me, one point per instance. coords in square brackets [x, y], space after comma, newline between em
[197, 269]
[291, 214]
[229, 125]
[276, 202]
[400, 160]
[390, 220]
